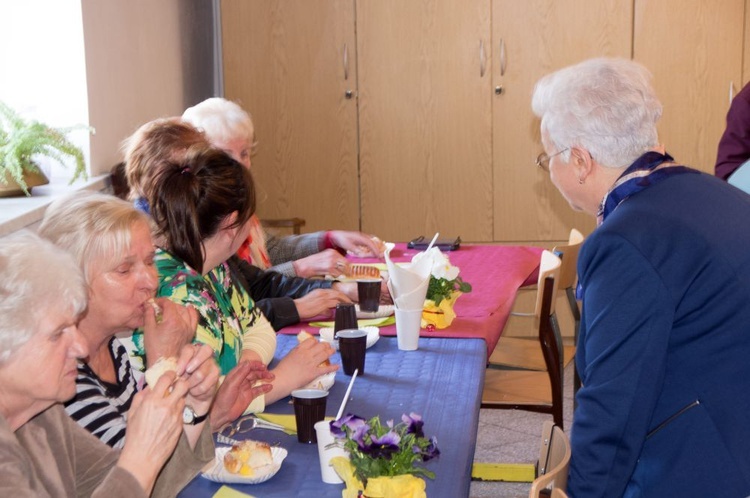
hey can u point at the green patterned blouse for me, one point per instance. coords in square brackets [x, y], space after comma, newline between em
[225, 310]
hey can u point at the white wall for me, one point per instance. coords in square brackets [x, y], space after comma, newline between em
[144, 59]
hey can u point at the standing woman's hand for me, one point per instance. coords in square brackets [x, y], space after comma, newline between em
[153, 429]
[165, 333]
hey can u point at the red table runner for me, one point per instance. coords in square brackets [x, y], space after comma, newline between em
[495, 274]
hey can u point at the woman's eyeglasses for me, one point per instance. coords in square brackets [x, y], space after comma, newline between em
[542, 160]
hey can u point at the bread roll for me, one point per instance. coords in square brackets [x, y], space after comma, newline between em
[249, 458]
[162, 366]
[303, 336]
[157, 310]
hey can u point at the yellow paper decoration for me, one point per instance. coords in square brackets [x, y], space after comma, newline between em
[403, 486]
[440, 316]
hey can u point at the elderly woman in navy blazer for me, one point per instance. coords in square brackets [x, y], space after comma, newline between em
[664, 348]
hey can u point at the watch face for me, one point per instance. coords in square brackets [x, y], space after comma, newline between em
[188, 415]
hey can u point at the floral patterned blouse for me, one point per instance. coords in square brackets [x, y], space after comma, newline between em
[226, 312]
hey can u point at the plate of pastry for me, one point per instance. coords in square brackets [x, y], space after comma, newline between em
[250, 462]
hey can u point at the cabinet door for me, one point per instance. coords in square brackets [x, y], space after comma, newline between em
[538, 37]
[694, 50]
[290, 63]
[425, 118]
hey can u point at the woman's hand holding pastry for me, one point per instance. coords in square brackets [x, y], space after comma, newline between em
[153, 428]
[319, 302]
[165, 332]
[327, 262]
[303, 363]
[358, 243]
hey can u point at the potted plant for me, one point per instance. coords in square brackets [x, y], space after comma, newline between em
[21, 140]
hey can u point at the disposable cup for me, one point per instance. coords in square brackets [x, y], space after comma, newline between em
[369, 294]
[345, 317]
[309, 408]
[327, 450]
[353, 347]
[408, 323]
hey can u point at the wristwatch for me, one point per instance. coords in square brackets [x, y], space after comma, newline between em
[189, 416]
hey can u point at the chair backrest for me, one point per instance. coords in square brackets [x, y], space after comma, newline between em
[569, 256]
[741, 177]
[554, 460]
[550, 340]
[548, 267]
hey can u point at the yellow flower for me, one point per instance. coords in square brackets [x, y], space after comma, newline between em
[439, 316]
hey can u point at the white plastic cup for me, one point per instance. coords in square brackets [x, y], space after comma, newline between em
[408, 323]
[326, 452]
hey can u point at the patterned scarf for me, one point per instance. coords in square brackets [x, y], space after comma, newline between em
[648, 170]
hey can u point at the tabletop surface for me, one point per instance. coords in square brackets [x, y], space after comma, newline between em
[495, 274]
[442, 381]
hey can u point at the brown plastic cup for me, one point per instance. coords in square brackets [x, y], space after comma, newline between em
[345, 317]
[369, 294]
[309, 409]
[353, 346]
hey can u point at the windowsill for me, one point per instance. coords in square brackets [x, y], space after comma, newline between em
[17, 213]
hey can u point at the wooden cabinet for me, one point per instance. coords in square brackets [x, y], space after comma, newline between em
[438, 134]
[694, 50]
[425, 118]
[531, 39]
[290, 64]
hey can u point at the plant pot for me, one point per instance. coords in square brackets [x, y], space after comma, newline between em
[13, 189]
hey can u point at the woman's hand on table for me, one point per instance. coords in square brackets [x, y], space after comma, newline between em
[244, 383]
[327, 262]
[166, 336]
[319, 302]
[153, 428]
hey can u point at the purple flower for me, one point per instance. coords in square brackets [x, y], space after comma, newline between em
[414, 423]
[384, 446]
[350, 421]
[431, 451]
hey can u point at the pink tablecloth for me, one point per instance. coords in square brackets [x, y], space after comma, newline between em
[495, 273]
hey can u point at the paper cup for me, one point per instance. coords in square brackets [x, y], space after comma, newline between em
[309, 408]
[368, 291]
[328, 450]
[408, 323]
[353, 348]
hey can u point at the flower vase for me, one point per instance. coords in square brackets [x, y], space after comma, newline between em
[440, 316]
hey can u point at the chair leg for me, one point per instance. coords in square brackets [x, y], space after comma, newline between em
[570, 292]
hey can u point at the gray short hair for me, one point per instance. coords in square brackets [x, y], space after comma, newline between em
[35, 277]
[93, 227]
[221, 120]
[605, 105]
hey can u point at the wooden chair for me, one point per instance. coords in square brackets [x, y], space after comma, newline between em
[538, 391]
[554, 461]
[523, 352]
[293, 223]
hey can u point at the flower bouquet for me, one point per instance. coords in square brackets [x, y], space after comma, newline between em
[443, 290]
[383, 459]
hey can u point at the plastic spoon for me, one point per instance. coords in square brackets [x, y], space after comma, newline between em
[346, 396]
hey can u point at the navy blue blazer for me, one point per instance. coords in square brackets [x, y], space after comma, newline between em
[664, 346]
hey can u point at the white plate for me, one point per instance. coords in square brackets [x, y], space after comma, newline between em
[216, 472]
[373, 334]
[384, 310]
[324, 382]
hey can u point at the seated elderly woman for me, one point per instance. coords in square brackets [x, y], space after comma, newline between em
[663, 347]
[200, 206]
[284, 300]
[111, 242]
[230, 129]
[43, 452]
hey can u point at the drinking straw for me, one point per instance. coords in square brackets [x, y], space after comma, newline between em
[346, 396]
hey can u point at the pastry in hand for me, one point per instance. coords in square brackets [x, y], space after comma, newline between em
[303, 336]
[162, 366]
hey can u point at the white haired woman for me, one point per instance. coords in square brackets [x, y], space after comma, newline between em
[231, 129]
[663, 347]
[42, 451]
[111, 242]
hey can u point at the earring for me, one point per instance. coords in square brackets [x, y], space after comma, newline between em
[580, 181]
